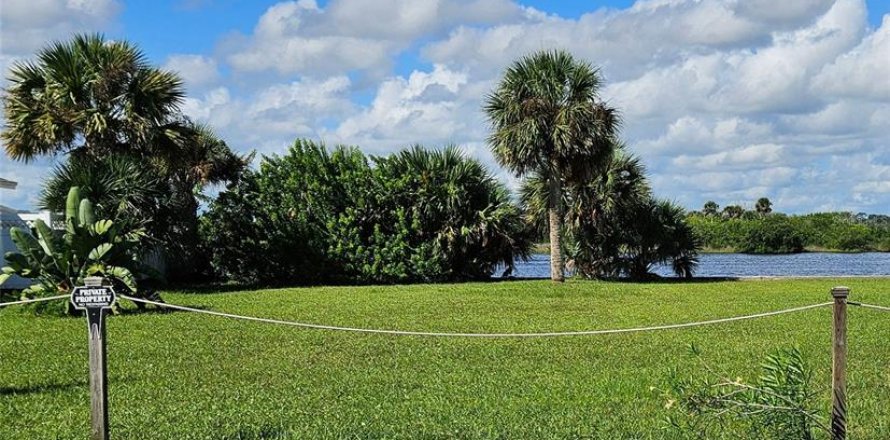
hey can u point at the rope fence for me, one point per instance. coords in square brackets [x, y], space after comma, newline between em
[96, 311]
[475, 335]
[460, 334]
[869, 306]
[34, 300]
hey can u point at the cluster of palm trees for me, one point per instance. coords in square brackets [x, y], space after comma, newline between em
[128, 145]
[550, 126]
[130, 149]
[762, 207]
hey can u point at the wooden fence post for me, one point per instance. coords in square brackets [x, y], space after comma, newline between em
[96, 298]
[98, 375]
[839, 364]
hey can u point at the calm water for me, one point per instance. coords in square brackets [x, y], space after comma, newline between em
[738, 265]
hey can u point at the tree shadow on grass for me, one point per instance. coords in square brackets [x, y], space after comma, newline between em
[41, 388]
[674, 280]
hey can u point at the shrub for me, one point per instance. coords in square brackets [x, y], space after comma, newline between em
[775, 234]
[316, 216]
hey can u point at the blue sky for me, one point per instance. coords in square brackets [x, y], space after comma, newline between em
[724, 100]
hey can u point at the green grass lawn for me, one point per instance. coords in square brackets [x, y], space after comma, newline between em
[188, 376]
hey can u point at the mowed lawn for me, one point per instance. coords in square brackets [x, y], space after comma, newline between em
[188, 376]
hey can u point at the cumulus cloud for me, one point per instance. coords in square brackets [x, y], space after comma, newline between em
[727, 100]
[196, 70]
[863, 72]
[427, 107]
[26, 25]
[300, 37]
[719, 96]
[269, 119]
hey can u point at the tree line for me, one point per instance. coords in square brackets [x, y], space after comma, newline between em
[762, 230]
[318, 214]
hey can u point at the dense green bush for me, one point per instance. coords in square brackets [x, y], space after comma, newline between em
[314, 216]
[773, 235]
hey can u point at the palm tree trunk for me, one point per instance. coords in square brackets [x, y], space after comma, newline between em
[555, 202]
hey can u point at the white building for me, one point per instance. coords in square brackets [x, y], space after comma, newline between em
[10, 218]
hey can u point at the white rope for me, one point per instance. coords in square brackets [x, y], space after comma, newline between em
[869, 306]
[35, 300]
[475, 335]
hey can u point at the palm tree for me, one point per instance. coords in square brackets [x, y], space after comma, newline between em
[710, 208]
[125, 190]
[593, 208]
[656, 232]
[458, 205]
[733, 211]
[547, 120]
[763, 206]
[91, 99]
[89, 94]
[615, 227]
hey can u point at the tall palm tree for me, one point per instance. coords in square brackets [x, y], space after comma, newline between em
[89, 94]
[592, 211]
[547, 119]
[92, 98]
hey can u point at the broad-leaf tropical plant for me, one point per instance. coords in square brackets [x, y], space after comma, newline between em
[57, 261]
[547, 119]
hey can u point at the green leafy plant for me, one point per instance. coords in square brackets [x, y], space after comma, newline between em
[314, 216]
[56, 261]
[779, 404]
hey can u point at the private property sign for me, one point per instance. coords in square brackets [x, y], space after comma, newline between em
[96, 299]
[92, 297]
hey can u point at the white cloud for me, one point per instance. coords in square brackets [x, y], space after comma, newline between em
[26, 25]
[727, 100]
[300, 37]
[427, 107]
[269, 119]
[196, 70]
[863, 72]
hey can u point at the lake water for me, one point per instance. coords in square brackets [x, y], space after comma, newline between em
[745, 265]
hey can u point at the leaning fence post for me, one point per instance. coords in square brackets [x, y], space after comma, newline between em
[839, 364]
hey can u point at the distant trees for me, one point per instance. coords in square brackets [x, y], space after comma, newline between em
[733, 211]
[764, 231]
[314, 216]
[763, 206]
[549, 122]
[772, 235]
[710, 208]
